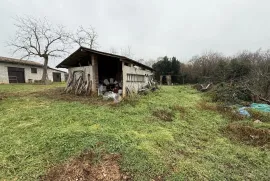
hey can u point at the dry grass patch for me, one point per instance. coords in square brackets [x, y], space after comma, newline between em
[163, 114]
[248, 134]
[225, 111]
[181, 109]
[262, 116]
[82, 168]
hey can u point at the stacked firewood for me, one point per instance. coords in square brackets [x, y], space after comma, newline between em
[79, 83]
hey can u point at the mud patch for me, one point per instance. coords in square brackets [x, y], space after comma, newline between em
[83, 168]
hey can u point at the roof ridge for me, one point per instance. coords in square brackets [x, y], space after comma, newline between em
[18, 60]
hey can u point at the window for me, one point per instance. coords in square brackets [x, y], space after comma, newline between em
[33, 70]
[135, 78]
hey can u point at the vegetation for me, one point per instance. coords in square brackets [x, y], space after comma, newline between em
[244, 75]
[40, 131]
[167, 66]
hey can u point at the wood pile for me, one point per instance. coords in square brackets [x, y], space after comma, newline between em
[79, 83]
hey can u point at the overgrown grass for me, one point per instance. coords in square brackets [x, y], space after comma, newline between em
[21, 89]
[39, 132]
[242, 128]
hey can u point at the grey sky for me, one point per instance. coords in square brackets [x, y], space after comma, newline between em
[180, 28]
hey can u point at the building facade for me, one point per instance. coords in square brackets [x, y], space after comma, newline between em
[22, 71]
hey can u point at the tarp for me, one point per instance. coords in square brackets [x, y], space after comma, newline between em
[261, 107]
[243, 111]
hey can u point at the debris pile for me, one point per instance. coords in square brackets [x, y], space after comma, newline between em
[151, 86]
[203, 88]
[110, 89]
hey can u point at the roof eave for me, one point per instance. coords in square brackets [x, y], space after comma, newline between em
[60, 65]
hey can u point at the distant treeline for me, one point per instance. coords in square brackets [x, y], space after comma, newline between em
[248, 69]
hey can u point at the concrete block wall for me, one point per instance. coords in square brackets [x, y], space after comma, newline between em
[86, 69]
[3, 73]
[134, 86]
[27, 72]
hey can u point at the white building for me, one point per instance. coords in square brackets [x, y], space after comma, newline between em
[101, 67]
[24, 71]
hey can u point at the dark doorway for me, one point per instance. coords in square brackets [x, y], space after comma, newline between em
[16, 75]
[164, 80]
[109, 67]
[56, 77]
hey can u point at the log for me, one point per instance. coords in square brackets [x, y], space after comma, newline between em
[265, 100]
[203, 89]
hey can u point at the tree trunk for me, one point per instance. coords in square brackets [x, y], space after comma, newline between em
[44, 78]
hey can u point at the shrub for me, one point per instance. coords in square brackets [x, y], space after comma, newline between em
[233, 94]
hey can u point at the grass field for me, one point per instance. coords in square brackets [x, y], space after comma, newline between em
[38, 132]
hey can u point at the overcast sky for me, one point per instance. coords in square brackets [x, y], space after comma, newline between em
[153, 28]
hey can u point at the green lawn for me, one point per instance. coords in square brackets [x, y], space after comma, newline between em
[37, 132]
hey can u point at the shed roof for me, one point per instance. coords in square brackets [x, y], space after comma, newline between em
[24, 62]
[84, 52]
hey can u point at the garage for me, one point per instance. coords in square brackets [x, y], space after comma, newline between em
[56, 77]
[16, 75]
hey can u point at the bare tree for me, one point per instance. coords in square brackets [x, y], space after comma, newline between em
[113, 50]
[85, 37]
[127, 52]
[37, 37]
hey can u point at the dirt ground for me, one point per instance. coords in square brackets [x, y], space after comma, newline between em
[84, 168]
[59, 95]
